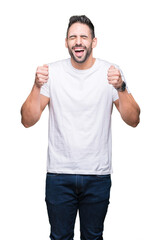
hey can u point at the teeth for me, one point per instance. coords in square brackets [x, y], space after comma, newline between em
[79, 50]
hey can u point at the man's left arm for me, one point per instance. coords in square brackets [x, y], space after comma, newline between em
[126, 104]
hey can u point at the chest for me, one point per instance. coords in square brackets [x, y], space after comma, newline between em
[72, 92]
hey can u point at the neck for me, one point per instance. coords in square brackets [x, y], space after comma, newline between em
[82, 66]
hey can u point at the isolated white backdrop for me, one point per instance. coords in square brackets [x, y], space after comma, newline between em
[33, 33]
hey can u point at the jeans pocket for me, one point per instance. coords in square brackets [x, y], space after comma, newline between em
[106, 177]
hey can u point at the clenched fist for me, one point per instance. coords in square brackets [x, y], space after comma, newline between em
[114, 77]
[42, 75]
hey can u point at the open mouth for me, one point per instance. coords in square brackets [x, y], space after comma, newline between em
[79, 52]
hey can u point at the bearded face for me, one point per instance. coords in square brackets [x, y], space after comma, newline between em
[79, 42]
[80, 53]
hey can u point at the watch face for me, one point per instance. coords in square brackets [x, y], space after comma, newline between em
[123, 86]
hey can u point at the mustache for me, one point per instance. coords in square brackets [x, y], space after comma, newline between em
[79, 45]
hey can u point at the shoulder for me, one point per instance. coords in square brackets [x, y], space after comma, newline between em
[58, 68]
[58, 64]
[105, 63]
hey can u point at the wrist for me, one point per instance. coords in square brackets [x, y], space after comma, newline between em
[122, 87]
[36, 86]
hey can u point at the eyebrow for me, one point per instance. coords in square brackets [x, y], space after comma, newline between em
[80, 36]
[72, 36]
[84, 36]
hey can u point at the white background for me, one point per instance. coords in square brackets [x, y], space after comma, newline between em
[33, 33]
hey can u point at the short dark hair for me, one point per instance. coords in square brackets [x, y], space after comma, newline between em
[81, 19]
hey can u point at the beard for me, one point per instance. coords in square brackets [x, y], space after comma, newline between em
[80, 59]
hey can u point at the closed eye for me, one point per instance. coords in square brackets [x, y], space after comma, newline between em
[84, 36]
[72, 36]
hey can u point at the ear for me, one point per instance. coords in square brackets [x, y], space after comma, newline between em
[66, 43]
[94, 42]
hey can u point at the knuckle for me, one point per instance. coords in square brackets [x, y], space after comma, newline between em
[38, 68]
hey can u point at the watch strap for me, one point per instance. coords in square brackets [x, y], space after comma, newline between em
[122, 88]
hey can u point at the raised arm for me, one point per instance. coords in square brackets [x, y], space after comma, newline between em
[126, 104]
[35, 103]
[128, 108]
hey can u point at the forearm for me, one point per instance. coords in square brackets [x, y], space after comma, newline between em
[31, 109]
[129, 109]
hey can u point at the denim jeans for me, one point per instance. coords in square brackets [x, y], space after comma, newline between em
[68, 193]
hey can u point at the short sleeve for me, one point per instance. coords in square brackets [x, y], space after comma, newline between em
[45, 88]
[115, 95]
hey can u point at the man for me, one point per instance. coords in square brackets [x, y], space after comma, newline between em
[80, 92]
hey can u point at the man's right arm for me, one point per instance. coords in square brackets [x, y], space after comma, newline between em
[35, 103]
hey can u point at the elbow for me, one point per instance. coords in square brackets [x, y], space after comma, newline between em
[132, 121]
[131, 116]
[27, 123]
[24, 124]
[135, 123]
[23, 119]
[137, 119]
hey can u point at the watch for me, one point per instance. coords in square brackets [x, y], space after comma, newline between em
[122, 88]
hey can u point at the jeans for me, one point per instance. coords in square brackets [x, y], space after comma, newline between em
[67, 193]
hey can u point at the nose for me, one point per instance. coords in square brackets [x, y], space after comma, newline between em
[78, 40]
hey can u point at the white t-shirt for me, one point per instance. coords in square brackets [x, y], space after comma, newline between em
[79, 118]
